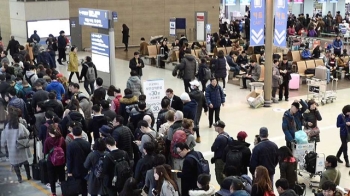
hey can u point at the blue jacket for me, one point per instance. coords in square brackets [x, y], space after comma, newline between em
[57, 87]
[305, 54]
[45, 57]
[289, 126]
[240, 193]
[214, 95]
[219, 145]
[337, 44]
[265, 154]
[342, 125]
[190, 109]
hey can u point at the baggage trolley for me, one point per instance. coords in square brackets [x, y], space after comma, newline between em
[301, 152]
[317, 89]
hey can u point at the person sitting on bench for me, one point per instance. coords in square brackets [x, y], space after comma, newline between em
[253, 73]
[305, 54]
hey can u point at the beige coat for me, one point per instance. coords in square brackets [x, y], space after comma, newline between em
[73, 62]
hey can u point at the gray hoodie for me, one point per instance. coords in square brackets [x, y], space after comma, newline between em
[134, 83]
[32, 78]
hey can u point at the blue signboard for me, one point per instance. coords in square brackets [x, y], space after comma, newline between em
[115, 16]
[281, 16]
[322, 1]
[172, 29]
[100, 50]
[94, 18]
[333, 1]
[257, 21]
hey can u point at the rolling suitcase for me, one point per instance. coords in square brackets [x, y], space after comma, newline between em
[321, 72]
[44, 177]
[36, 171]
[294, 82]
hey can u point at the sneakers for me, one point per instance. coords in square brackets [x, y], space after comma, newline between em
[347, 165]
[274, 100]
[198, 140]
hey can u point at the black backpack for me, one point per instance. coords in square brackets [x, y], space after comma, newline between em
[122, 171]
[234, 158]
[310, 162]
[28, 79]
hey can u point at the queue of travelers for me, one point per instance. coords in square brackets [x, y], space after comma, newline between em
[117, 150]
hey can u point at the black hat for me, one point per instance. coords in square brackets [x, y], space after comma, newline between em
[296, 104]
[219, 123]
[136, 53]
[105, 130]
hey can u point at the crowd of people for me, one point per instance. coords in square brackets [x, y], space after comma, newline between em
[111, 143]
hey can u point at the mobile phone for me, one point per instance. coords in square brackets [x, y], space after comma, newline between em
[154, 191]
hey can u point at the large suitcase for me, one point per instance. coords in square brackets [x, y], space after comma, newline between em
[294, 82]
[36, 171]
[44, 177]
[160, 62]
[321, 72]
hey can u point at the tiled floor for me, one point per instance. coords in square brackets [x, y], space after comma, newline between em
[237, 115]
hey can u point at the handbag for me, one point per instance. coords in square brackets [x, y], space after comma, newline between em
[71, 186]
[22, 141]
[311, 132]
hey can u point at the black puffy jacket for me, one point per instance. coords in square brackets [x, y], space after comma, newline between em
[124, 138]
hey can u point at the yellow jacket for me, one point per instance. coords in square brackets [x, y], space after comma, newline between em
[73, 62]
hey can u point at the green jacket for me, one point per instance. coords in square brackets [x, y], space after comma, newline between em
[330, 174]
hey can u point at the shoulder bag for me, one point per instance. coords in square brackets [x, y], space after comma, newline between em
[22, 141]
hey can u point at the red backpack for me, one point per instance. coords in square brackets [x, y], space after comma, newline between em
[57, 155]
[178, 137]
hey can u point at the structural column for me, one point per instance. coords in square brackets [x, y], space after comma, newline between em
[341, 7]
[268, 51]
[296, 8]
[308, 8]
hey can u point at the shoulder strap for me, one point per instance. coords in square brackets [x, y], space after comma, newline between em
[194, 157]
[151, 136]
[81, 148]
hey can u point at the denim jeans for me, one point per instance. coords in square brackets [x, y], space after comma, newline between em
[328, 75]
[235, 70]
[92, 87]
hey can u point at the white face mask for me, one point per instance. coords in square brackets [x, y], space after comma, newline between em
[192, 87]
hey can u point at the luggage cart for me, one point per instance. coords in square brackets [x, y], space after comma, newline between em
[300, 152]
[317, 89]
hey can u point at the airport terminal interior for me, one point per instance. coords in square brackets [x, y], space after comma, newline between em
[236, 113]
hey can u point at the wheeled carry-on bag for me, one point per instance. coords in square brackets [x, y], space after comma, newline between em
[294, 82]
[321, 72]
[44, 176]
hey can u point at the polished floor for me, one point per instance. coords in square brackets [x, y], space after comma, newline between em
[237, 115]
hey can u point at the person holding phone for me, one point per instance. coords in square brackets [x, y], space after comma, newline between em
[136, 64]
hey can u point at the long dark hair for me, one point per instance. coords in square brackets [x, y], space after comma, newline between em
[129, 187]
[163, 175]
[13, 117]
[284, 153]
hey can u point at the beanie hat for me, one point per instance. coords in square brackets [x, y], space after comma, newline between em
[296, 104]
[185, 97]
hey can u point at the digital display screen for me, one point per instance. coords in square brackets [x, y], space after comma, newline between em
[46, 27]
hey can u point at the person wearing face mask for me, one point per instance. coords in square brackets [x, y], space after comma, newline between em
[225, 42]
[343, 123]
